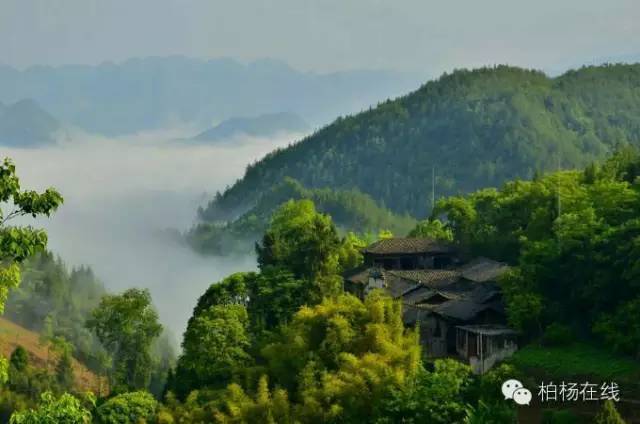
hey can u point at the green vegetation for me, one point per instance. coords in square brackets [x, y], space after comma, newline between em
[127, 326]
[51, 410]
[609, 414]
[573, 238]
[350, 209]
[576, 360]
[127, 408]
[286, 344]
[55, 302]
[476, 128]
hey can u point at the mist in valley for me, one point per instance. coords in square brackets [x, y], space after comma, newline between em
[123, 194]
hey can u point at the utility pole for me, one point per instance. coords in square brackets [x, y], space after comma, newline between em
[433, 189]
[558, 206]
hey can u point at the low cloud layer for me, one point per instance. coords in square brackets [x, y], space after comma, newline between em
[120, 193]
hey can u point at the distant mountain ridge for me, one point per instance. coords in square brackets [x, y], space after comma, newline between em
[471, 129]
[26, 124]
[157, 92]
[258, 126]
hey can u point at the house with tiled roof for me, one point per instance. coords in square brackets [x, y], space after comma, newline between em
[452, 301]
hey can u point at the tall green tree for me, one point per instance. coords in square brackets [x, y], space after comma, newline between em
[214, 348]
[127, 324]
[301, 240]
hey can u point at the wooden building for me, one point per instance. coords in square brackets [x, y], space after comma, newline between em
[440, 294]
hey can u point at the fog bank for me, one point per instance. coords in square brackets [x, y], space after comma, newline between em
[121, 193]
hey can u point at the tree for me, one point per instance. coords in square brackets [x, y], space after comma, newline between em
[64, 410]
[267, 407]
[433, 229]
[301, 240]
[46, 336]
[434, 397]
[275, 295]
[214, 348]
[232, 290]
[350, 252]
[127, 325]
[19, 372]
[64, 371]
[128, 408]
[19, 358]
[609, 414]
[18, 243]
[342, 356]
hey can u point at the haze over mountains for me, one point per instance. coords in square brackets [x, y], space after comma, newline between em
[266, 125]
[161, 92]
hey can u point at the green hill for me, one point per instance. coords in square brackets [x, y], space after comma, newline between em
[472, 129]
[350, 210]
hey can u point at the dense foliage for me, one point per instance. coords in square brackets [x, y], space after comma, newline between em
[475, 128]
[287, 345]
[127, 325]
[573, 237]
[51, 410]
[351, 210]
[127, 408]
[56, 301]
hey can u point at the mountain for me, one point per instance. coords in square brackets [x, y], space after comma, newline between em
[26, 124]
[350, 210]
[470, 129]
[258, 126]
[155, 92]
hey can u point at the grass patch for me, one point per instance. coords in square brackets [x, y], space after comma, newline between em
[576, 360]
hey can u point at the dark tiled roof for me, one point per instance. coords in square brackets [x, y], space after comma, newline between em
[483, 269]
[426, 276]
[402, 246]
[395, 285]
[398, 286]
[358, 275]
[423, 294]
[430, 277]
[464, 309]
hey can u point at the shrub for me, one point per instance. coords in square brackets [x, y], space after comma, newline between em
[128, 408]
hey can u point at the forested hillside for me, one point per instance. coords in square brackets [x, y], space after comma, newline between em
[350, 209]
[473, 129]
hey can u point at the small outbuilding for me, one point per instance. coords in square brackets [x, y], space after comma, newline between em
[484, 345]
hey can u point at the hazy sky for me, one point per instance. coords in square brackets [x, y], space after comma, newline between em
[413, 35]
